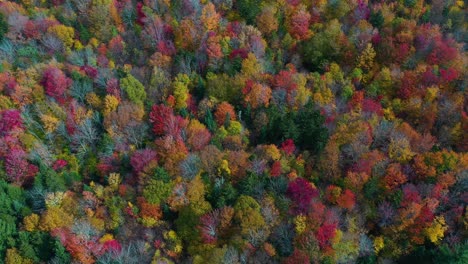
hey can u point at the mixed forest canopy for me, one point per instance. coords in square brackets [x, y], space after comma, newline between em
[233, 131]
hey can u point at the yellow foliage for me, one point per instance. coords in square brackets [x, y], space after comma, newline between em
[436, 231]
[114, 180]
[50, 123]
[251, 66]
[94, 100]
[378, 244]
[13, 257]
[94, 42]
[272, 152]
[5, 102]
[366, 59]
[64, 33]
[400, 150]
[31, 222]
[110, 104]
[181, 92]
[209, 17]
[55, 217]
[432, 93]
[235, 128]
[224, 167]
[78, 45]
[105, 238]
[300, 224]
[266, 20]
[54, 199]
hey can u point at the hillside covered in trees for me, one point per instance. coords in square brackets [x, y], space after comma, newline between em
[233, 131]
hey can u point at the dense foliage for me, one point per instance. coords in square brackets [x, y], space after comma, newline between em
[226, 131]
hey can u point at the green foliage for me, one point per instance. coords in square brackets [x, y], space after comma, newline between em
[323, 48]
[377, 19]
[3, 26]
[248, 9]
[157, 191]
[304, 127]
[134, 89]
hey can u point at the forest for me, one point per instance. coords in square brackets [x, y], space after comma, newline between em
[233, 131]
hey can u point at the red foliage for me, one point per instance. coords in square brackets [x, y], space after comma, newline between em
[275, 169]
[369, 105]
[116, 46]
[90, 71]
[140, 14]
[408, 85]
[233, 29]
[347, 200]
[324, 234]
[449, 75]
[166, 48]
[59, 164]
[301, 192]
[299, 25]
[113, 88]
[112, 246]
[142, 159]
[443, 52]
[238, 53]
[297, 257]
[363, 166]
[56, 84]
[222, 111]
[17, 167]
[288, 146]
[209, 227]
[79, 248]
[428, 77]
[158, 116]
[402, 52]
[410, 195]
[213, 48]
[284, 80]
[10, 120]
[30, 30]
[109, 164]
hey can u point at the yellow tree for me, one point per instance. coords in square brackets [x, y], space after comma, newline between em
[209, 17]
[181, 91]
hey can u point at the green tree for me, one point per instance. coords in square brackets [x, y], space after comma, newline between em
[134, 89]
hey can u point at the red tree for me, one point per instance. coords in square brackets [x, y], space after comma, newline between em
[301, 192]
[56, 84]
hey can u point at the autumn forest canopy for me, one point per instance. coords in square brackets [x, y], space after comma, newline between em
[233, 131]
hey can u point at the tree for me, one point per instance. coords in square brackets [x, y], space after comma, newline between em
[56, 84]
[181, 94]
[3, 27]
[301, 192]
[18, 169]
[298, 24]
[323, 47]
[198, 136]
[64, 33]
[144, 161]
[10, 121]
[256, 95]
[134, 89]
[247, 213]
[248, 9]
[224, 113]
[267, 23]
